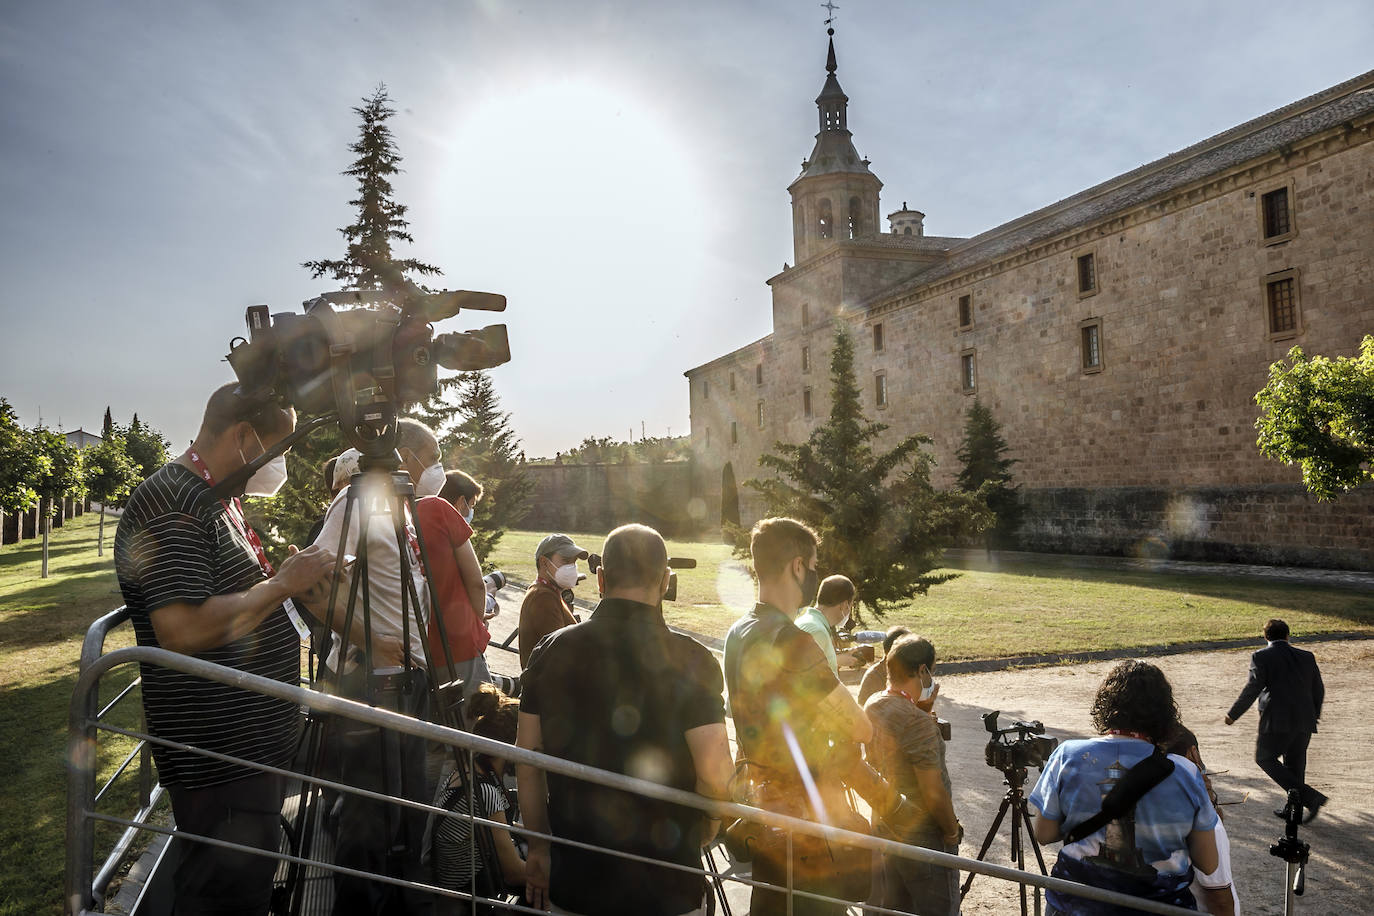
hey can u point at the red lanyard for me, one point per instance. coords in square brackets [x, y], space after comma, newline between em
[899, 693]
[234, 510]
[1121, 732]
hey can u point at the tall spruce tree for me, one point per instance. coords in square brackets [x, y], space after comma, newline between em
[881, 521]
[368, 263]
[988, 473]
[483, 444]
[107, 426]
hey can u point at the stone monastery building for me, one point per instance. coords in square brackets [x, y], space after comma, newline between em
[1118, 336]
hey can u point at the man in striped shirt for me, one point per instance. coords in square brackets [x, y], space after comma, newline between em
[196, 581]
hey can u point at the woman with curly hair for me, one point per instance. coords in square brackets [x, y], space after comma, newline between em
[498, 867]
[1150, 851]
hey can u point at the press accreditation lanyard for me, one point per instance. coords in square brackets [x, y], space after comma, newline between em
[234, 509]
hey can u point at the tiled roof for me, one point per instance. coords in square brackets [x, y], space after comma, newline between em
[1261, 136]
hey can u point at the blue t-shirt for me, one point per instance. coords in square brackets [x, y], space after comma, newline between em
[1144, 854]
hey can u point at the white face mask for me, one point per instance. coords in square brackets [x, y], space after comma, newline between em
[928, 692]
[268, 479]
[431, 481]
[467, 516]
[565, 576]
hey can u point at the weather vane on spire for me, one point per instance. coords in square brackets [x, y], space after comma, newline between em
[830, 8]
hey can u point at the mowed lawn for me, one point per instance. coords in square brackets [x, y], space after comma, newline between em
[1023, 608]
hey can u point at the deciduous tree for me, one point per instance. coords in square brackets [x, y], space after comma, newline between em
[22, 465]
[1318, 413]
[110, 475]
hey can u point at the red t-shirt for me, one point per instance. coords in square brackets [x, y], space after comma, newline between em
[444, 531]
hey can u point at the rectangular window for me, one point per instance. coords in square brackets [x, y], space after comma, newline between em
[758, 374]
[806, 403]
[966, 310]
[705, 390]
[878, 337]
[734, 433]
[1278, 218]
[806, 314]
[1281, 294]
[968, 371]
[708, 437]
[806, 359]
[1091, 331]
[1087, 274]
[732, 382]
[760, 415]
[880, 389]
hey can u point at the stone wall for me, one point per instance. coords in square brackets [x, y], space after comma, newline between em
[599, 497]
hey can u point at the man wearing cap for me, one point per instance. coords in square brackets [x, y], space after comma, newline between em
[544, 610]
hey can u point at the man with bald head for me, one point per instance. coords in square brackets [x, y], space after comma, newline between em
[622, 692]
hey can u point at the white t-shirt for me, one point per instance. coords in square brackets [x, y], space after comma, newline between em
[1222, 876]
[384, 572]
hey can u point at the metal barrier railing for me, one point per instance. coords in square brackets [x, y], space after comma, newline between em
[84, 895]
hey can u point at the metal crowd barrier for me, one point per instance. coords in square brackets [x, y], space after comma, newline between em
[84, 891]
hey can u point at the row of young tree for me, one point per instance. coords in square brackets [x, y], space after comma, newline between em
[475, 435]
[40, 469]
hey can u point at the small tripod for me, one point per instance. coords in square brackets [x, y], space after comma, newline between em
[1015, 801]
[1293, 851]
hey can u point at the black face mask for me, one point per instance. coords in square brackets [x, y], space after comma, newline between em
[810, 588]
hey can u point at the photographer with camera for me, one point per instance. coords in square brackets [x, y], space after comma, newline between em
[195, 580]
[374, 836]
[908, 749]
[783, 695]
[1133, 819]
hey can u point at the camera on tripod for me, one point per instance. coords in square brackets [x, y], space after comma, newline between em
[1021, 746]
[365, 361]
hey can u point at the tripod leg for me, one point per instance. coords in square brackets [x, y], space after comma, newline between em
[1018, 852]
[987, 843]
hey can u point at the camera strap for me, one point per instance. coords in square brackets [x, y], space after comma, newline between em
[1129, 790]
[234, 509]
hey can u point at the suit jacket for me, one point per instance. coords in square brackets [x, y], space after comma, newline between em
[1289, 687]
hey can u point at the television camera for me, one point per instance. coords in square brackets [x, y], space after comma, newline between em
[1019, 747]
[674, 563]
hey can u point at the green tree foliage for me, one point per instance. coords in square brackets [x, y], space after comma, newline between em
[881, 521]
[146, 447]
[649, 450]
[987, 472]
[1318, 413]
[107, 426]
[729, 502]
[288, 517]
[110, 475]
[22, 465]
[64, 474]
[483, 444]
[368, 262]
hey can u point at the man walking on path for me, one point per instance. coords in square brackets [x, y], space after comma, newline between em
[1288, 684]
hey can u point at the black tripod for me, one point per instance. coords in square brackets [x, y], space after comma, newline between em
[1015, 801]
[1293, 851]
[379, 482]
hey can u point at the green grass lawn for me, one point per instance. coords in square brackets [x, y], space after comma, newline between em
[1022, 608]
[42, 623]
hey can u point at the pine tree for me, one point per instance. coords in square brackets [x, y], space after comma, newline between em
[484, 445]
[368, 262]
[107, 427]
[881, 521]
[987, 473]
[729, 503]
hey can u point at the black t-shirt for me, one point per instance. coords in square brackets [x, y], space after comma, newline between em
[618, 692]
[176, 543]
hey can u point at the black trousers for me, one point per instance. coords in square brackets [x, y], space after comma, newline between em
[375, 836]
[1283, 756]
[211, 879]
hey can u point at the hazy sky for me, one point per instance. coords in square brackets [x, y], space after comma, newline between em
[617, 169]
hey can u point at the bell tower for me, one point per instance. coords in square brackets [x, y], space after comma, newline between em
[835, 196]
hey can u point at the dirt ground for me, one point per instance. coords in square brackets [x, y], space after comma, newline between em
[1340, 764]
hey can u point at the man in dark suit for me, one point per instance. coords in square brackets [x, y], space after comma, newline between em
[1289, 686]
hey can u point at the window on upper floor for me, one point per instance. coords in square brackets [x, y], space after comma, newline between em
[1276, 215]
[708, 437]
[806, 403]
[734, 433]
[806, 314]
[965, 311]
[1087, 274]
[760, 415]
[968, 371]
[705, 390]
[855, 218]
[878, 337]
[1090, 332]
[758, 374]
[1281, 299]
[880, 389]
[806, 359]
[732, 382]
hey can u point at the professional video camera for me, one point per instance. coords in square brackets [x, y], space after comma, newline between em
[366, 360]
[675, 563]
[1019, 747]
